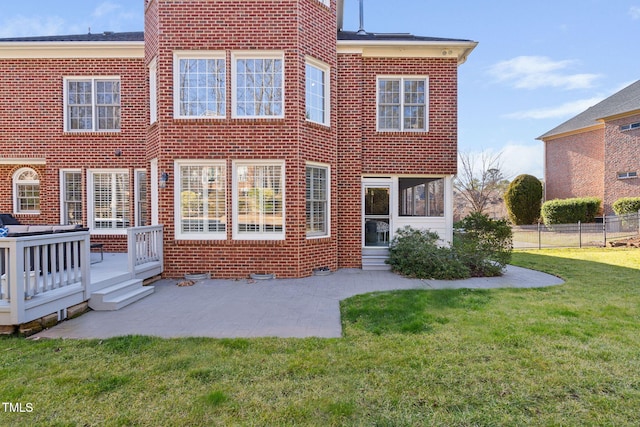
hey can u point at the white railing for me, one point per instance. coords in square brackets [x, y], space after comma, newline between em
[145, 249]
[42, 274]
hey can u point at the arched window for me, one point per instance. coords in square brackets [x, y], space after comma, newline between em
[26, 191]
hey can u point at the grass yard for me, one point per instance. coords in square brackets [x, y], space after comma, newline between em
[567, 355]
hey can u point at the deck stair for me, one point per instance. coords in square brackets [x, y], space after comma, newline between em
[117, 292]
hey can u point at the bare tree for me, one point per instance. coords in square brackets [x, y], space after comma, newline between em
[480, 180]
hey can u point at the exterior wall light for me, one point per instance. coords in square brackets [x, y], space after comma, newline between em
[164, 178]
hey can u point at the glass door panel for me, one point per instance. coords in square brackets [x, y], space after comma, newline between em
[377, 220]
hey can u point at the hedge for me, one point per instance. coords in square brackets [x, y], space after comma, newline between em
[523, 199]
[626, 205]
[570, 211]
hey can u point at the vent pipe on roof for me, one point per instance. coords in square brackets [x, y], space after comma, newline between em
[361, 31]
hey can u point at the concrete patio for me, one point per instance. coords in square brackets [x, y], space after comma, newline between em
[306, 307]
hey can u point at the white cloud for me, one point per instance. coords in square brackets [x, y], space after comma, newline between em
[104, 9]
[519, 158]
[533, 72]
[20, 26]
[564, 110]
[634, 11]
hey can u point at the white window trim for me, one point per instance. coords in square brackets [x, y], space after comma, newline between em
[65, 110]
[136, 194]
[628, 175]
[62, 191]
[14, 184]
[258, 54]
[327, 88]
[153, 91]
[179, 235]
[195, 54]
[236, 235]
[402, 79]
[91, 204]
[328, 225]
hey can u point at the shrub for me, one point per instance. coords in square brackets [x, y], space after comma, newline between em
[483, 248]
[569, 211]
[626, 205]
[523, 198]
[484, 245]
[416, 253]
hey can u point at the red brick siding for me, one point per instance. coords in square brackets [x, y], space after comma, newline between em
[575, 166]
[622, 154]
[32, 126]
[433, 152]
[296, 28]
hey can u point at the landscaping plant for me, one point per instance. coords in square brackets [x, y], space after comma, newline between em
[481, 247]
[523, 198]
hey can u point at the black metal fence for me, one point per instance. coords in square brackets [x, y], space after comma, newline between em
[578, 235]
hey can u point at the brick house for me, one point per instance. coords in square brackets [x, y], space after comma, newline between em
[261, 141]
[597, 152]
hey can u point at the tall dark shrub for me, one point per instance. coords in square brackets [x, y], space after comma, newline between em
[523, 198]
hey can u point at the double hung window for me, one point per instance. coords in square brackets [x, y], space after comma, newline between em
[92, 104]
[317, 200]
[403, 104]
[317, 92]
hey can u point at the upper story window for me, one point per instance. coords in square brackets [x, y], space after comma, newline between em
[92, 104]
[630, 126]
[26, 191]
[403, 104]
[258, 84]
[317, 92]
[325, 2]
[199, 84]
[153, 91]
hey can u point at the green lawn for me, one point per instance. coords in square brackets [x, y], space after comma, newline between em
[567, 355]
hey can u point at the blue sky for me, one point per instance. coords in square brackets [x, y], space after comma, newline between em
[538, 63]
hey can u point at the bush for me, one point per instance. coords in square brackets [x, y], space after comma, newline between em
[523, 198]
[570, 211]
[626, 205]
[484, 245]
[483, 248]
[416, 253]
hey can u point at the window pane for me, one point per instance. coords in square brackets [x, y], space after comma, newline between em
[27, 191]
[202, 87]
[259, 198]
[111, 201]
[202, 199]
[72, 209]
[421, 197]
[315, 94]
[316, 200]
[259, 87]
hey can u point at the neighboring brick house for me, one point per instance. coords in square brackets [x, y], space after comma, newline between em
[597, 152]
[261, 141]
